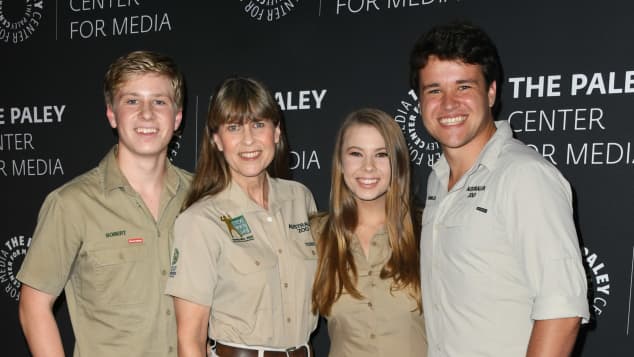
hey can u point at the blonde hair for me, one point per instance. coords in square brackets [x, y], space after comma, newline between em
[336, 270]
[142, 62]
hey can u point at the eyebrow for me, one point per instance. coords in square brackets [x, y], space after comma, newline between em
[360, 148]
[460, 81]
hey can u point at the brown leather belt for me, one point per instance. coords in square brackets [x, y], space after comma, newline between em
[229, 351]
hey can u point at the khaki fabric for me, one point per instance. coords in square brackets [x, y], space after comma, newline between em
[383, 323]
[498, 251]
[96, 240]
[253, 267]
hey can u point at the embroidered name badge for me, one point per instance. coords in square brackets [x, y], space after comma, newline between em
[115, 234]
[473, 190]
[135, 240]
[238, 228]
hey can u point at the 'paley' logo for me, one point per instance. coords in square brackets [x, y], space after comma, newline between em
[600, 282]
[268, 10]
[19, 19]
[423, 150]
[12, 254]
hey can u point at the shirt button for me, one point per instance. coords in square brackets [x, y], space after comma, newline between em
[257, 262]
[374, 244]
[286, 285]
[288, 319]
[370, 273]
[170, 349]
[279, 251]
[370, 304]
[372, 336]
[269, 219]
[169, 312]
[372, 284]
[163, 272]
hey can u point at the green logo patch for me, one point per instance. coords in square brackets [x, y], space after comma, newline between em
[238, 228]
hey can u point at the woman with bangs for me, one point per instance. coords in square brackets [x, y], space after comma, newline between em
[243, 258]
[367, 283]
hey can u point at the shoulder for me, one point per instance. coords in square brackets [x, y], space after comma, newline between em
[318, 222]
[183, 174]
[291, 187]
[519, 161]
[89, 182]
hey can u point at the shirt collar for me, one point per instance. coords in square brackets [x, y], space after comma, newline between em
[277, 195]
[489, 154]
[113, 178]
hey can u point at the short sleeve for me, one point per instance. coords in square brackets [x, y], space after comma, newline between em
[193, 273]
[540, 223]
[54, 247]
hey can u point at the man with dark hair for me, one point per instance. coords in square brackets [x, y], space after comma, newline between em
[105, 237]
[501, 266]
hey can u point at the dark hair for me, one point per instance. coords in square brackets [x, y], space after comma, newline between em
[460, 41]
[142, 62]
[235, 100]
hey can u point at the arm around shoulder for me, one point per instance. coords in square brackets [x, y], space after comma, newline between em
[38, 322]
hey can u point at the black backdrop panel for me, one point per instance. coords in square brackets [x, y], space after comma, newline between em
[569, 88]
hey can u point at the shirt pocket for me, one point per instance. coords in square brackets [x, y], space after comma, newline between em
[117, 276]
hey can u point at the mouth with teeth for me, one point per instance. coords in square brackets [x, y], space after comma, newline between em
[449, 121]
[367, 182]
[146, 130]
[250, 155]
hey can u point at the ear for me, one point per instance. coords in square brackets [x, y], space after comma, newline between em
[492, 93]
[277, 133]
[178, 119]
[112, 118]
[216, 139]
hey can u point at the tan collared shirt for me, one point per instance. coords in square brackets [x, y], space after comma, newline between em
[498, 251]
[384, 323]
[96, 239]
[253, 267]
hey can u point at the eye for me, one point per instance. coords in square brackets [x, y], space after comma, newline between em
[232, 127]
[382, 154]
[131, 101]
[160, 102]
[355, 153]
[463, 87]
[258, 124]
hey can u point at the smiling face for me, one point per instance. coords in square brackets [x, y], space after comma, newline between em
[456, 105]
[248, 148]
[144, 114]
[365, 163]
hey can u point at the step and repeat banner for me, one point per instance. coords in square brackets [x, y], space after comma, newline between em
[568, 93]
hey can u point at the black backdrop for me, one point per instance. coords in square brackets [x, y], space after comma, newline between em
[569, 89]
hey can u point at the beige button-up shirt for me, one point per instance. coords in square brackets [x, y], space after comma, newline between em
[96, 239]
[498, 251]
[384, 323]
[253, 267]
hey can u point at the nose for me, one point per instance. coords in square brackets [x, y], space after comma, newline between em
[247, 136]
[146, 110]
[449, 101]
[369, 164]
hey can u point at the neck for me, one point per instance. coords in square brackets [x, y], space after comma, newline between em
[257, 188]
[461, 159]
[142, 172]
[371, 213]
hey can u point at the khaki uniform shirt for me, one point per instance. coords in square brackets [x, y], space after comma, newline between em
[96, 239]
[253, 267]
[384, 323]
[498, 251]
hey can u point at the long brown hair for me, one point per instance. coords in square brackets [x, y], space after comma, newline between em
[236, 100]
[336, 270]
